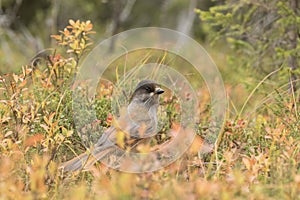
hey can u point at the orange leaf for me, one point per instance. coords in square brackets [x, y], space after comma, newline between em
[23, 83]
[33, 140]
[196, 145]
[175, 126]
[247, 163]
[57, 37]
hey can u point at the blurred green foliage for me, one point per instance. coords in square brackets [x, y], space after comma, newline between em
[25, 25]
[264, 35]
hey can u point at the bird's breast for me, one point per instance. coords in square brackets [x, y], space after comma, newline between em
[142, 120]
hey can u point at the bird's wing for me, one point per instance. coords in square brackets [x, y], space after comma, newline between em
[139, 122]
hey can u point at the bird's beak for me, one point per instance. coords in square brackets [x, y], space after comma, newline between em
[158, 90]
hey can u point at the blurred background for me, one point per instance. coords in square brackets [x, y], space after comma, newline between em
[26, 25]
[247, 40]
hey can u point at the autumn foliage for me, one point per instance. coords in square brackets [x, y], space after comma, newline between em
[256, 157]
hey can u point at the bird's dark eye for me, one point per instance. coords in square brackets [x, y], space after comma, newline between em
[148, 89]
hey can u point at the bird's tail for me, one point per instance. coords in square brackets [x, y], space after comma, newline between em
[76, 163]
[84, 161]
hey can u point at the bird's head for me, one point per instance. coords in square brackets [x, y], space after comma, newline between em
[147, 92]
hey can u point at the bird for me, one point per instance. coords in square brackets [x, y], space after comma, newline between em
[138, 121]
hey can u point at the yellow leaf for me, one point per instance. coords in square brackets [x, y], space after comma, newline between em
[120, 139]
[16, 78]
[71, 21]
[69, 133]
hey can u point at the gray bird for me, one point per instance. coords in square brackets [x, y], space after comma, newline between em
[138, 121]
